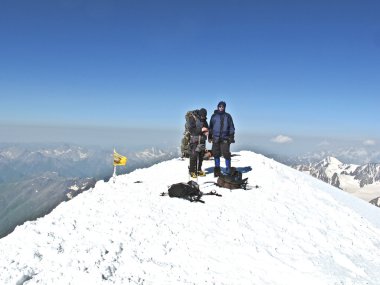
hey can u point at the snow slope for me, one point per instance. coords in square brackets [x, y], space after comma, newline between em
[294, 229]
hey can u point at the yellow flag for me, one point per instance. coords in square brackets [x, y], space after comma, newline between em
[119, 159]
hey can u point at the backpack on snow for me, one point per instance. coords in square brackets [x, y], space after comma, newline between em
[232, 181]
[186, 134]
[188, 191]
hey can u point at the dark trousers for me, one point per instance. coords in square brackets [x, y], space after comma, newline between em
[196, 158]
[221, 149]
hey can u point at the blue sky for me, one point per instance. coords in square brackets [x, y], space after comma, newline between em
[290, 68]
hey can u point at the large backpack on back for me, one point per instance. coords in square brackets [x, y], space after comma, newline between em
[186, 135]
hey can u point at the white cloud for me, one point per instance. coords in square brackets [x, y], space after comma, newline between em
[282, 139]
[369, 142]
[324, 143]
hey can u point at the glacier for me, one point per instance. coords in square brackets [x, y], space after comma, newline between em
[293, 229]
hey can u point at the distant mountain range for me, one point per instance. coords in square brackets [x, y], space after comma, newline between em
[35, 179]
[353, 155]
[362, 181]
[24, 162]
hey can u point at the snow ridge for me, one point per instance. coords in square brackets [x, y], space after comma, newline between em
[294, 229]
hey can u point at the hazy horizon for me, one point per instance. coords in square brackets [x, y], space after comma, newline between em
[138, 139]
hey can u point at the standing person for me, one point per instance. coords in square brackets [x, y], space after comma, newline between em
[222, 134]
[198, 134]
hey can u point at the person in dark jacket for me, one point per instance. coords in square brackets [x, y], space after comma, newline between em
[221, 134]
[198, 135]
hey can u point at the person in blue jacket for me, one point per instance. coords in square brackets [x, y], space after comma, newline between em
[221, 134]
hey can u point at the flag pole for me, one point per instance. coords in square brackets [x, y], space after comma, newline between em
[114, 169]
[114, 174]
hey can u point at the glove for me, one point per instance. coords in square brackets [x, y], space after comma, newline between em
[232, 139]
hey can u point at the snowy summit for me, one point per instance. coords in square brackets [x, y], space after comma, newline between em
[293, 229]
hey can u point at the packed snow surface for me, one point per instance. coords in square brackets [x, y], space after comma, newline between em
[293, 229]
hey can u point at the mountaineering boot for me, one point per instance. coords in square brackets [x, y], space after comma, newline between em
[216, 171]
[193, 175]
[201, 173]
[228, 166]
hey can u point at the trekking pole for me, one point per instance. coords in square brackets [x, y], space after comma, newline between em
[188, 168]
[196, 167]
[199, 142]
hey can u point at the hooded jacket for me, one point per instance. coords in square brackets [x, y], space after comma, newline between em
[221, 126]
[195, 128]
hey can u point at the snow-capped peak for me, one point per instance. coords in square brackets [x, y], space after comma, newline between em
[332, 161]
[150, 153]
[293, 229]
